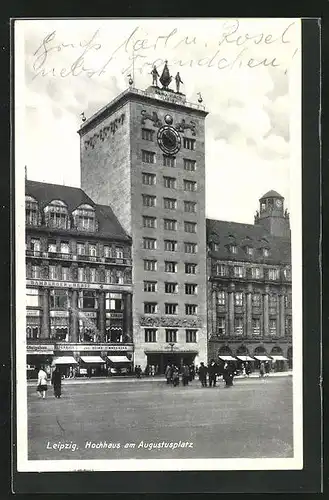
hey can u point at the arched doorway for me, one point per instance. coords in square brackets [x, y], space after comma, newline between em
[278, 363]
[245, 361]
[260, 356]
[289, 356]
[225, 351]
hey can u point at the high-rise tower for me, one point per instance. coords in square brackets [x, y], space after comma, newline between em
[144, 154]
[272, 215]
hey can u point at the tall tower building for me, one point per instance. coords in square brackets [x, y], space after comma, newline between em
[144, 155]
[272, 215]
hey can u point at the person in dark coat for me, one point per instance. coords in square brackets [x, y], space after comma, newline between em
[203, 374]
[261, 369]
[212, 370]
[175, 375]
[192, 372]
[228, 375]
[185, 374]
[56, 380]
[168, 374]
[267, 368]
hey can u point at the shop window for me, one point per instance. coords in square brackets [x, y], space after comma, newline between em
[59, 299]
[221, 298]
[88, 330]
[32, 297]
[256, 326]
[171, 335]
[114, 333]
[191, 336]
[84, 218]
[88, 300]
[238, 326]
[221, 326]
[31, 211]
[150, 335]
[56, 215]
[59, 329]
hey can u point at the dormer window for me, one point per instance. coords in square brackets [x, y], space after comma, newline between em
[31, 211]
[249, 250]
[215, 247]
[233, 248]
[266, 252]
[56, 215]
[84, 218]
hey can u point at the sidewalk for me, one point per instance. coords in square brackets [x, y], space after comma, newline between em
[161, 378]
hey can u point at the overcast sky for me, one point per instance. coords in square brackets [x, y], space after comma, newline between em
[242, 69]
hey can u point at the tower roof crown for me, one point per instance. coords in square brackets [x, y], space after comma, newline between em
[271, 194]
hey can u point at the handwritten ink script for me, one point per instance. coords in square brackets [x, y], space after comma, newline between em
[139, 51]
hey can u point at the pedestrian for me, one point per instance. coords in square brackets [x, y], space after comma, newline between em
[192, 373]
[248, 369]
[168, 374]
[261, 369]
[267, 368]
[138, 371]
[56, 381]
[185, 374]
[175, 376]
[243, 370]
[212, 370]
[42, 383]
[203, 374]
[228, 375]
[152, 370]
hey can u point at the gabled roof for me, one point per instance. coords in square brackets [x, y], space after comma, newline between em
[271, 194]
[44, 193]
[246, 235]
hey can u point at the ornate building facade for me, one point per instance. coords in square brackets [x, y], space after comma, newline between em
[78, 279]
[249, 285]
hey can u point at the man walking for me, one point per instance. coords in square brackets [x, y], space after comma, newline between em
[203, 374]
[212, 370]
[185, 374]
[56, 380]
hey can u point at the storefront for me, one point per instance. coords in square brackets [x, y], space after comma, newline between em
[160, 360]
[92, 366]
[38, 356]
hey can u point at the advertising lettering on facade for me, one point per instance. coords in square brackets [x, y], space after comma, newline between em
[68, 284]
[96, 347]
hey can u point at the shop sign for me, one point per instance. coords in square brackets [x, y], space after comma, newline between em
[95, 347]
[87, 314]
[79, 286]
[40, 349]
[114, 315]
[59, 314]
[29, 312]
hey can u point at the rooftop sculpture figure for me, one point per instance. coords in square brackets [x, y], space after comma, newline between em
[178, 82]
[155, 75]
[165, 78]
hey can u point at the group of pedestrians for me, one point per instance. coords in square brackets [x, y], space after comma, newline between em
[213, 371]
[264, 369]
[172, 374]
[56, 382]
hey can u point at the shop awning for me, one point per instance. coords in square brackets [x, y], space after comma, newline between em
[37, 352]
[227, 358]
[119, 359]
[245, 358]
[92, 359]
[263, 358]
[279, 358]
[65, 360]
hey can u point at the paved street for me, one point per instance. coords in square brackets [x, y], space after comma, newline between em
[124, 420]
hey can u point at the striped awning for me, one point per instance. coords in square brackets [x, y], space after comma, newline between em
[278, 358]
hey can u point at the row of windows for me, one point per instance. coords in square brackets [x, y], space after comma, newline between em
[170, 308]
[60, 299]
[168, 203]
[169, 224]
[168, 182]
[170, 266]
[168, 160]
[170, 287]
[64, 247]
[256, 326]
[171, 335]
[256, 272]
[84, 274]
[169, 245]
[150, 156]
[233, 248]
[256, 299]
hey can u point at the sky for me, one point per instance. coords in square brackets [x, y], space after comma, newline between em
[242, 68]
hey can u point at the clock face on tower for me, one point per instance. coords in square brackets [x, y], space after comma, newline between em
[278, 203]
[169, 140]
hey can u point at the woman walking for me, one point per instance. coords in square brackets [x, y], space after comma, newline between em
[42, 383]
[56, 381]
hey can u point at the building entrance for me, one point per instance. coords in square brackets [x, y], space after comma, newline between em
[161, 360]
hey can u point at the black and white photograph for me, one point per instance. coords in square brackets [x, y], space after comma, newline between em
[158, 244]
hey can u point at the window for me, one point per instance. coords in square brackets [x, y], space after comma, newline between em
[148, 200]
[171, 335]
[149, 243]
[189, 186]
[221, 298]
[190, 289]
[188, 143]
[287, 274]
[249, 250]
[84, 218]
[150, 265]
[190, 268]
[190, 227]
[221, 327]
[238, 326]
[189, 165]
[233, 248]
[171, 308]
[119, 277]
[31, 211]
[65, 273]
[170, 267]
[65, 247]
[148, 157]
[191, 309]
[110, 276]
[92, 250]
[170, 245]
[220, 270]
[149, 221]
[170, 224]
[147, 134]
[170, 287]
[169, 161]
[59, 299]
[32, 297]
[82, 274]
[150, 307]
[266, 252]
[190, 247]
[150, 286]
[256, 300]
[106, 251]
[190, 206]
[273, 301]
[273, 274]
[87, 300]
[238, 298]
[288, 325]
[53, 273]
[255, 273]
[150, 335]
[238, 272]
[52, 248]
[272, 324]
[148, 179]
[190, 336]
[287, 301]
[56, 215]
[170, 203]
[113, 302]
[256, 326]
[81, 249]
[35, 245]
[93, 275]
[169, 182]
